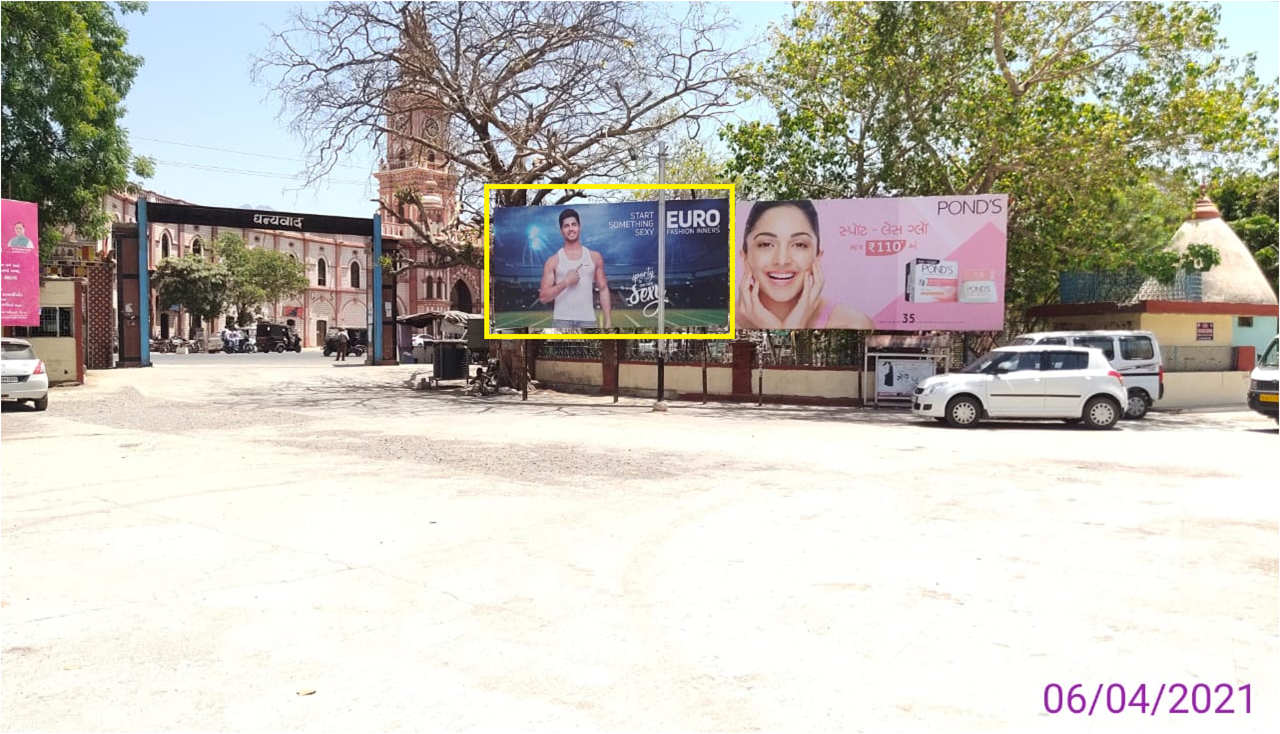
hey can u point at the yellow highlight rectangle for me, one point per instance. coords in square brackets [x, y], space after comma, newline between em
[730, 254]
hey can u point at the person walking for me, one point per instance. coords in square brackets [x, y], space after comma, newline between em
[344, 342]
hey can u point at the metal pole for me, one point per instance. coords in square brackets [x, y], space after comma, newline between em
[524, 369]
[662, 274]
[760, 361]
[144, 284]
[704, 371]
[375, 298]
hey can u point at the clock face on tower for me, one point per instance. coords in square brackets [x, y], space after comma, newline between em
[400, 122]
[431, 129]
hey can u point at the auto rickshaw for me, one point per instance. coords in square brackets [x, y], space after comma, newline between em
[273, 337]
[357, 341]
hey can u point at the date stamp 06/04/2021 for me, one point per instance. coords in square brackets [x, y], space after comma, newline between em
[1148, 699]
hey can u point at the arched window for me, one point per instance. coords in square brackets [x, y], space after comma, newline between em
[164, 245]
[355, 275]
[322, 273]
[440, 289]
[197, 248]
[461, 297]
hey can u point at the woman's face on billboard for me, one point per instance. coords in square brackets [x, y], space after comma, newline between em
[780, 251]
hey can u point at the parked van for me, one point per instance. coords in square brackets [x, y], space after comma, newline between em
[1134, 354]
[1262, 382]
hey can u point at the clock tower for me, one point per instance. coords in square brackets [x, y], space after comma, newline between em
[412, 160]
[418, 130]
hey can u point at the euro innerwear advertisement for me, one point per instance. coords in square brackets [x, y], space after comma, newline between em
[576, 268]
[903, 264]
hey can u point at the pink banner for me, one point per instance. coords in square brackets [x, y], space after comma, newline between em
[910, 264]
[19, 263]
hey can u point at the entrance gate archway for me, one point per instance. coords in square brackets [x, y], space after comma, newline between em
[461, 300]
[134, 288]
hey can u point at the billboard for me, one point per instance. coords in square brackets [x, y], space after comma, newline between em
[896, 379]
[549, 265]
[20, 263]
[906, 264]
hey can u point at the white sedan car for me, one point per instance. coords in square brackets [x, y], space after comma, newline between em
[1069, 383]
[23, 374]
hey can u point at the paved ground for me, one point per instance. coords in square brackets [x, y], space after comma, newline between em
[187, 547]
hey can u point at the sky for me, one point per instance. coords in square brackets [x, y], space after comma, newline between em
[218, 139]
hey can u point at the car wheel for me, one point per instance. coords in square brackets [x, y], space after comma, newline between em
[963, 412]
[1101, 412]
[1138, 405]
[40, 404]
[279, 349]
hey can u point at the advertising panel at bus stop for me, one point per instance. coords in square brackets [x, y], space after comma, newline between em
[900, 264]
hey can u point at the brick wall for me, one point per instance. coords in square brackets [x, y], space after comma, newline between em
[101, 316]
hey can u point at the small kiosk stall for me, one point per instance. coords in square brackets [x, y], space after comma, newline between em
[446, 347]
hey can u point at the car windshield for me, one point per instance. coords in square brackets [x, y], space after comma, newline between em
[990, 360]
[1271, 357]
[13, 350]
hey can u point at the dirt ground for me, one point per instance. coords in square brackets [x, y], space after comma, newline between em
[278, 543]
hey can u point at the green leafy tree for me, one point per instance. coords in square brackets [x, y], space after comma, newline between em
[66, 74]
[257, 276]
[198, 285]
[1087, 114]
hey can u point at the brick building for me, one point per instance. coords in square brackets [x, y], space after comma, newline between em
[337, 266]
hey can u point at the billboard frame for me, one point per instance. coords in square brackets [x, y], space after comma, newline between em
[488, 245]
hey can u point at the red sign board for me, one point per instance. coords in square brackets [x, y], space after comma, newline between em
[1204, 331]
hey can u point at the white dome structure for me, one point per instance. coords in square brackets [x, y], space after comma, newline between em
[1237, 278]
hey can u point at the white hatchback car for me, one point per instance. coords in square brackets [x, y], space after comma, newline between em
[22, 374]
[1069, 383]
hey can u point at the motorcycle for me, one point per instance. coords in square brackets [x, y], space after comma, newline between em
[237, 343]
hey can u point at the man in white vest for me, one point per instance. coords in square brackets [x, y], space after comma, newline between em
[568, 277]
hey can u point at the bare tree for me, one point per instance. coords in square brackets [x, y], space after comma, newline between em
[541, 92]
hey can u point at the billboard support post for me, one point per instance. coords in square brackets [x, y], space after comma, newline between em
[662, 274]
[704, 373]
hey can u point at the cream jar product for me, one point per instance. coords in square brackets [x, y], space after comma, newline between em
[978, 286]
[932, 281]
